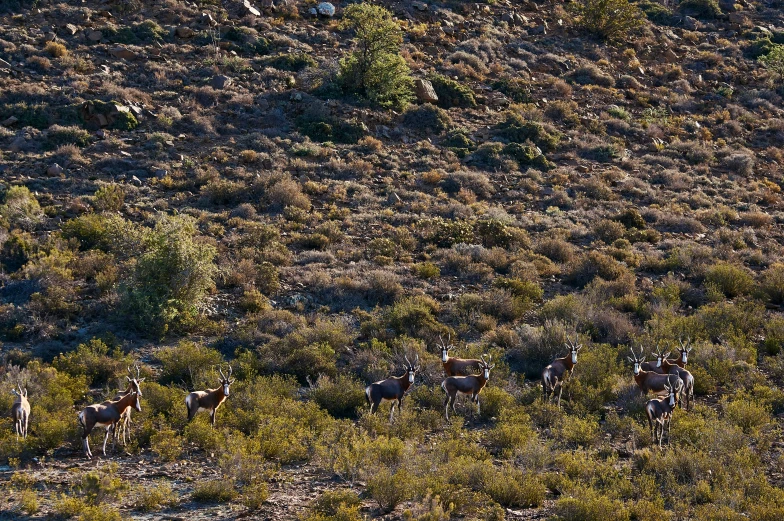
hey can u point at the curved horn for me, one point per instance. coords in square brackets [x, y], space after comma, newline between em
[407, 362]
[223, 377]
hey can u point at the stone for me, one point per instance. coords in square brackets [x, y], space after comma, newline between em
[123, 53]
[739, 19]
[669, 56]
[18, 144]
[55, 170]
[94, 36]
[136, 181]
[539, 29]
[207, 19]
[508, 18]
[313, 11]
[160, 173]
[326, 9]
[727, 6]
[10, 121]
[691, 23]
[184, 32]
[249, 7]
[420, 6]
[220, 82]
[101, 134]
[425, 92]
[71, 29]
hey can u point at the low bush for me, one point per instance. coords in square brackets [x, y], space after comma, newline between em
[214, 491]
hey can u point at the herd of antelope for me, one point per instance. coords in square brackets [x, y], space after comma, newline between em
[666, 377]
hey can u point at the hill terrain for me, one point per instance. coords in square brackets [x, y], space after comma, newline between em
[314, 198]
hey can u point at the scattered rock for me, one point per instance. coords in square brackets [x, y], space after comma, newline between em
[669, 56]
[10, 121]
[97, 114]
[94, 36]
[207, 19]
[184, 32]
[136, 181]
[220, 82]
[123, 53]
[101, 134]
[539, 29]
[326, 9]
[691, 23]
[727, 6]
[420, 6]
[71, 29]
[160, 173]
[18, 144]
[55, 170]
[425, 92]
[252, 10]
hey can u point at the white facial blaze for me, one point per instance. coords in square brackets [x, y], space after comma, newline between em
[672, 399]
[411, 377]
[658, 362]
[684, 355]
[636, 367]
[487, 373]
[574, 357]
[444, 356]
[226, 389]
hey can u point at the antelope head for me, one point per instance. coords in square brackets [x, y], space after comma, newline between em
[485, 366]
[574, 347]
[411, 369]
[134, 382]
[684, 349]
[636, 359]
[670, 394]
[445, 347]
[226, 381]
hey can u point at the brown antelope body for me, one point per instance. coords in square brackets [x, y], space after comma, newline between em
[20, 412]
[659, 412]
[210, 399]
[107, 414]
[469, 386]
[457, 366]
[555, 374]
[393, 389]
[123, 427]
[648, 381]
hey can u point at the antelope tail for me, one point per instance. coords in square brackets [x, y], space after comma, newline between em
[80, 419]
[367, 395]
[443, 385]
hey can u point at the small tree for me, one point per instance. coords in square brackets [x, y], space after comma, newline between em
[609, 19]
[375, 69]
[774, 60]
[171, 277]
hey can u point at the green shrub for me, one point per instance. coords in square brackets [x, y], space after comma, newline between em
[590, 507]
[20, 208]
[214, 491]
[514, 488]
[527, 156]
[427, 118]
[150, 498]
[746, 414]
[774, 60]
[16, 250]
[451, 93]
[341, 396]
[187, 362]
[94, 361]
[427, 270]
[700, 8]
[516, 129]
[254, 495]
[291, 62]
[493, 232]
[609, 19]
[109, 198]
[591, 265]
[389, 488]
[331, 502]
[166, 444]
[375, 69]
[731, 280]
[171, 277]
[773, 283]
[57, 136]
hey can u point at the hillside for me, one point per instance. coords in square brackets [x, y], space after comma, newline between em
[189, 186]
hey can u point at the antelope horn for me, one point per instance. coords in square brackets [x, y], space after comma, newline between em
[138, 371]
[221, 373]
[407, 362]
[231, 370]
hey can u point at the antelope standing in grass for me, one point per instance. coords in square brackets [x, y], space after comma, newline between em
[107, 414]
[648, 381]
[123, 427]
[20, 411]
[666, 366]
[393, 389]
[555, 374]
[210, 399]
[659, 412]
[470, 385]
[684, 351]
[456, 366]
[655, 366]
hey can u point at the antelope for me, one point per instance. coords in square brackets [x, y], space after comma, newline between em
[210, 399]
[649, 381]
[20, 411]
[684, 352]
[659, 412]
[393, 389]
[555, 374]
[666, 366]
[655, 367]
[123, 427]
[456, 366]
[107, 414]
[470, 385]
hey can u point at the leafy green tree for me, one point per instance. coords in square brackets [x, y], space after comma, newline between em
[170, 278]
[609, 19]
[774, 60]
[375, 69]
